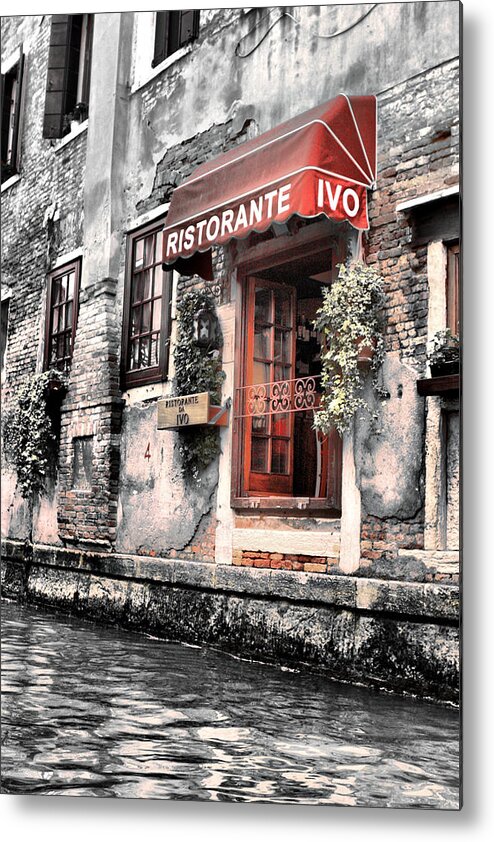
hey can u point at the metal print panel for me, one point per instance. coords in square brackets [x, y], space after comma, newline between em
[258, 207]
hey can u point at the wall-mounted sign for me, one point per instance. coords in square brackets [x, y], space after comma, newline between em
[188, 411]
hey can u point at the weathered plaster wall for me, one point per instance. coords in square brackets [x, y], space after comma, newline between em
[157, 511]
[209, 84]
[389, 449]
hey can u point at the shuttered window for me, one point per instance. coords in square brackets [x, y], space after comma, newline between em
[11, 115]
[68, 76]
[174, 30]
[61, 315]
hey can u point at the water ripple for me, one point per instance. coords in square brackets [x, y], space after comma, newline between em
[102, 712]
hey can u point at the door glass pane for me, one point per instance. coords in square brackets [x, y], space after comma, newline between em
[259, 455]
[282, 308]
[262, 342]
[279, 456]
[281, 424]
[282, 346]
[263, 306]
[261, 372]
[260, 423]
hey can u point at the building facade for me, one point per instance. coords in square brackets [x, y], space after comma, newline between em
[285, 536]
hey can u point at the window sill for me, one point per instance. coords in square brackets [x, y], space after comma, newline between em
[293, 505]
[143, 393]
[10, 182]
[59, 144]
[162, 66]
[446, 386]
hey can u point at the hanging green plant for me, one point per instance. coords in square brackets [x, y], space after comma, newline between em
[28, 433]
[197, 369]
[350, 319]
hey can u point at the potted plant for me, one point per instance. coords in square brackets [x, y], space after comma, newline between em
[75, 117]
[443, 354]
[350, 320]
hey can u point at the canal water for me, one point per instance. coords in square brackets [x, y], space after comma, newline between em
[92, 710]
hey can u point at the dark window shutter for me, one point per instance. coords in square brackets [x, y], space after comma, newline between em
[58, 79]
[161, 37]
[5, 120]
[87, 59]
[189, 25]
[17, 116]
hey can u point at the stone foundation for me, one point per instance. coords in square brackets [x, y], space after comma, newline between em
[394, 635]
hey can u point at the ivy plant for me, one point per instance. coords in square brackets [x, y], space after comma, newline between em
[350, 319]
[28, 434]
[196, 370]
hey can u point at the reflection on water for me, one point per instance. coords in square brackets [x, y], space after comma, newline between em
[89, 710]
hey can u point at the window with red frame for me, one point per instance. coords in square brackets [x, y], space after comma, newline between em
[61, 315]
[147, 303]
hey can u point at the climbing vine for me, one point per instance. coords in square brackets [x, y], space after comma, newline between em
[197, 370]
[350, 318]
[28, 433]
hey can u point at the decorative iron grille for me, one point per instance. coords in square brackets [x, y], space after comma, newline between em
[298, 395]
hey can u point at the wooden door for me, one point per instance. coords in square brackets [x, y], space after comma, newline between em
[270, 366]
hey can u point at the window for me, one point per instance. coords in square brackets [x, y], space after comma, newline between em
[147, 303]
[69, 72]
[61, 315]
[453, 289]
[174, 30]
[278, 454]
[11, 114]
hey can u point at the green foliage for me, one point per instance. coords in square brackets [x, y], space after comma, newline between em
[196, 370]
[350, 319]
[28, 434]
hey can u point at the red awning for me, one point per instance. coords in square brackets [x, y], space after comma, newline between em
[321, 162]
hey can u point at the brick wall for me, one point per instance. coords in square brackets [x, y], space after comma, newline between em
[418, 154]
[42, 214]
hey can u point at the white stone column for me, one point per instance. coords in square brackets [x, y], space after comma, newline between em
[350, 509]
[224, 512]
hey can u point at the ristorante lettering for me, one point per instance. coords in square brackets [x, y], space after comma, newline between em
[229, 222]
